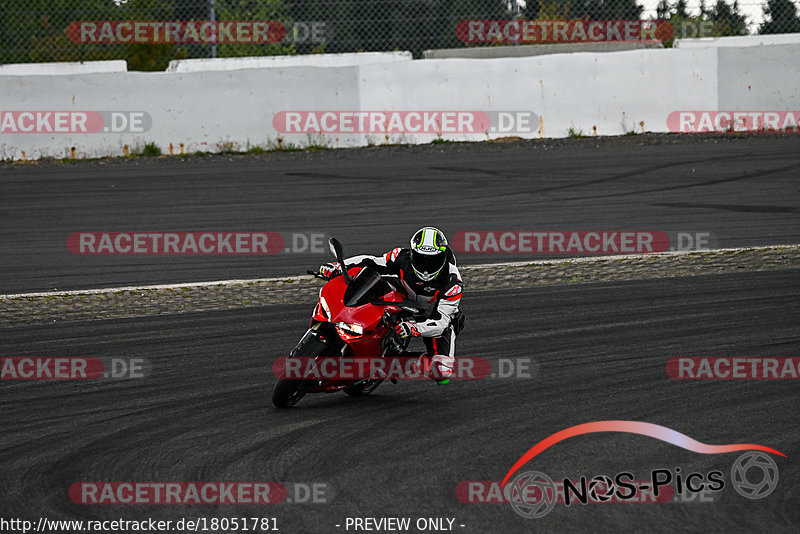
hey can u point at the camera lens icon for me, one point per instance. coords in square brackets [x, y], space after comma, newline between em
[532, 494]
[754, 475]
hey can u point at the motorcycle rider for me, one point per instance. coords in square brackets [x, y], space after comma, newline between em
[430, 277]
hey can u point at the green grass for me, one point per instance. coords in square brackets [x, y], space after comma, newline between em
[315, 147]
[576, 134]
[149, 150]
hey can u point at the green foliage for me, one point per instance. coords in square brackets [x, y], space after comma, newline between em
[606, 9]
[153, 57]
[36, 30]
[149, 150]
[727, 19]
[663, 10]
[554, 10]
[415, 25]
[575, 133]
[721, 20]
[253, 10]
[583, 9]
[680, 9]
[780, 17]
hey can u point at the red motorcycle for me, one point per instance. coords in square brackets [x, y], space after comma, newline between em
[353, 319]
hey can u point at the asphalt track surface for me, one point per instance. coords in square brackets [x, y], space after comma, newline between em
[743, 191]
[599, 350]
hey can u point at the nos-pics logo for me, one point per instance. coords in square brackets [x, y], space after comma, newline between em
[533, 494]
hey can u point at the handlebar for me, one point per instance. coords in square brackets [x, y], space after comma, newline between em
[389, 321]
[316, 274]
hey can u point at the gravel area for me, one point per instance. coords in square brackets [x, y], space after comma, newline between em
[400, 150]
[129, 302]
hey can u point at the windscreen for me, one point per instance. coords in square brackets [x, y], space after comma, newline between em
[366, 287]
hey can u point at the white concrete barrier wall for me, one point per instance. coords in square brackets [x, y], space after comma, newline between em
[212, 111]
[206, 111]
[739, 41]
[765, 78]
[613, 91]
[309, 60]
[58, 69]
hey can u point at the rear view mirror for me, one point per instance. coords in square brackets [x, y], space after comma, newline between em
[336, 248]
[338, 251]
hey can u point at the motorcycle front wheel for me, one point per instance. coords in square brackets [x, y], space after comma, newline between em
[286, 393]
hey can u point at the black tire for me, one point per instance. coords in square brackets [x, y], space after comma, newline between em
[364, 388]
[286, 393]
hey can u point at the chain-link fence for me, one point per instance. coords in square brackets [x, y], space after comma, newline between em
[150, 33]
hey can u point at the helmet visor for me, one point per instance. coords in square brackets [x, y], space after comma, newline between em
[428, 263]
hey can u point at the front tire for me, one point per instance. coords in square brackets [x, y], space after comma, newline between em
[286, 393]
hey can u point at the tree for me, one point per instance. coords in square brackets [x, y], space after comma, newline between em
[36, 31]
[339, 19]
[554, 10]
[531, 10]
[663, 11]
[780, 17]
[415, 25]
[253, 10]
[607, 10]
[727, 19]
[723, 19]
